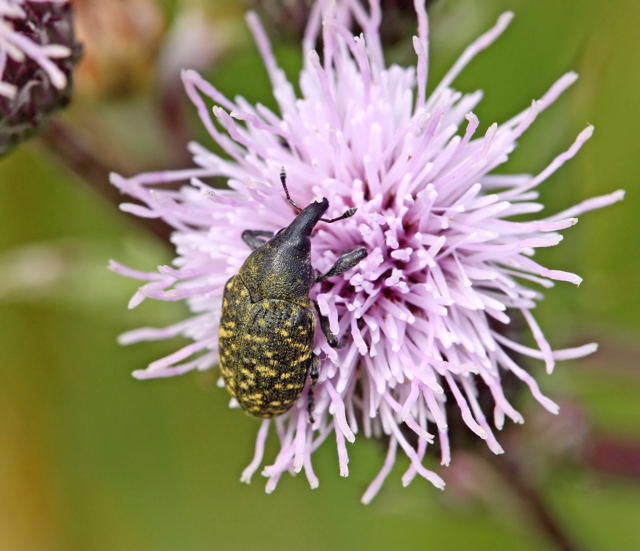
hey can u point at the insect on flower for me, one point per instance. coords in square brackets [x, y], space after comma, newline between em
[267, 324]
[450, 261]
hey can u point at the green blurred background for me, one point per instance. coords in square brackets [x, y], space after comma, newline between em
[90, 459]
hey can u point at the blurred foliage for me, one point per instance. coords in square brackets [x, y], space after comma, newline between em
[91, 459]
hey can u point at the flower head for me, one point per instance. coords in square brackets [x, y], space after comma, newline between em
[446, 261]
[37, 50]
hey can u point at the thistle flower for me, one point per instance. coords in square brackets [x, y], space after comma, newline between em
[446, 259]
[37, 50]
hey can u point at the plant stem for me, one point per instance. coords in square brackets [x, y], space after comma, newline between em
[534, 503]
[78, 155]
[176, 129]
[613, 455]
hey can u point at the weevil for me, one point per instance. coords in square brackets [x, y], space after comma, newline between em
[268, 320]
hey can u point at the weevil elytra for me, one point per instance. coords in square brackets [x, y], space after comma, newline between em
[268, 320]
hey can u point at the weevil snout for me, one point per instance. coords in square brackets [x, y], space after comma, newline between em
[304, 223]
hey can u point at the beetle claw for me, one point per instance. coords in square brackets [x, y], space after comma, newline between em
[314, 374]
[335, 341]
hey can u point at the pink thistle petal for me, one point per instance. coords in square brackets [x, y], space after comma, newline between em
[261, 438]
[591, 204]
[472, 50]
[378, 481]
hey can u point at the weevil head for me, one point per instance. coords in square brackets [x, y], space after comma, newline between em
[281, 269]
[298, 232]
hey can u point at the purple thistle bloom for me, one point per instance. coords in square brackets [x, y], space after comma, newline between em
[445, 257]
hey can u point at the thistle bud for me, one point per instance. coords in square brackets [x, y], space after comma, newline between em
[291, 17]
[37, 55]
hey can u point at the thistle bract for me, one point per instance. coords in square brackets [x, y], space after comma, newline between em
[447, 261]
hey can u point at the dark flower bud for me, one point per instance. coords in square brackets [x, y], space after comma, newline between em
[291, 16]
[37, 55]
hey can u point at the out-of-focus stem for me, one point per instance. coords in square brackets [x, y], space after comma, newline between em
[77, 154]
[535, 505]
[172, 116]
[613, 455]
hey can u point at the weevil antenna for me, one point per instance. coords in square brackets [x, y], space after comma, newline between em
[346, 214]
[283, 180]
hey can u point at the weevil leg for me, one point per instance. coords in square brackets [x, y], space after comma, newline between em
[253, 238]
[345, 262]
[314, 372]
[333, 340]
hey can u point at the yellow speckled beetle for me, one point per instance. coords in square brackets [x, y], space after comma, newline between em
[268, 321]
